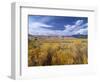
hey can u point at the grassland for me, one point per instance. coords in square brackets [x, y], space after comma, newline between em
[43, 51]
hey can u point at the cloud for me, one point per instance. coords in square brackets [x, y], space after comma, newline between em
[74, 27]
[68, 27]
[46, 19]
[84, 25]
[82, 31]
[41, 19]
[40, 28]
[36, 27]
[79, 22]
[79, 27]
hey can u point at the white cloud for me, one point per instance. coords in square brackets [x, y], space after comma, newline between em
[82, 31]
[77, 28]
[84, 25]
[79, 22]
[71, 28]
[38, 25]
[68, 27]
[36, 28]
[45, 19]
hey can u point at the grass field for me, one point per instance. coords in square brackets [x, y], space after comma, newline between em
[44, 51]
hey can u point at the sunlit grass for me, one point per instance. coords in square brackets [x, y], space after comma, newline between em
[57, 51]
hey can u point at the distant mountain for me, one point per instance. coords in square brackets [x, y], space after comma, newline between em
[75, 36]
[80, 36]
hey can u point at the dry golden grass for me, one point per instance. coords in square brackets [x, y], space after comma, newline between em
[57, 51]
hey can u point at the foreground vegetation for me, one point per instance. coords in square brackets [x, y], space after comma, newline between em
[57, 51]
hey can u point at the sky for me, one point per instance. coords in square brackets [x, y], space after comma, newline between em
[57, 25]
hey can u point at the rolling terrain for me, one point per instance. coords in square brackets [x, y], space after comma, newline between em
[57, 50]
